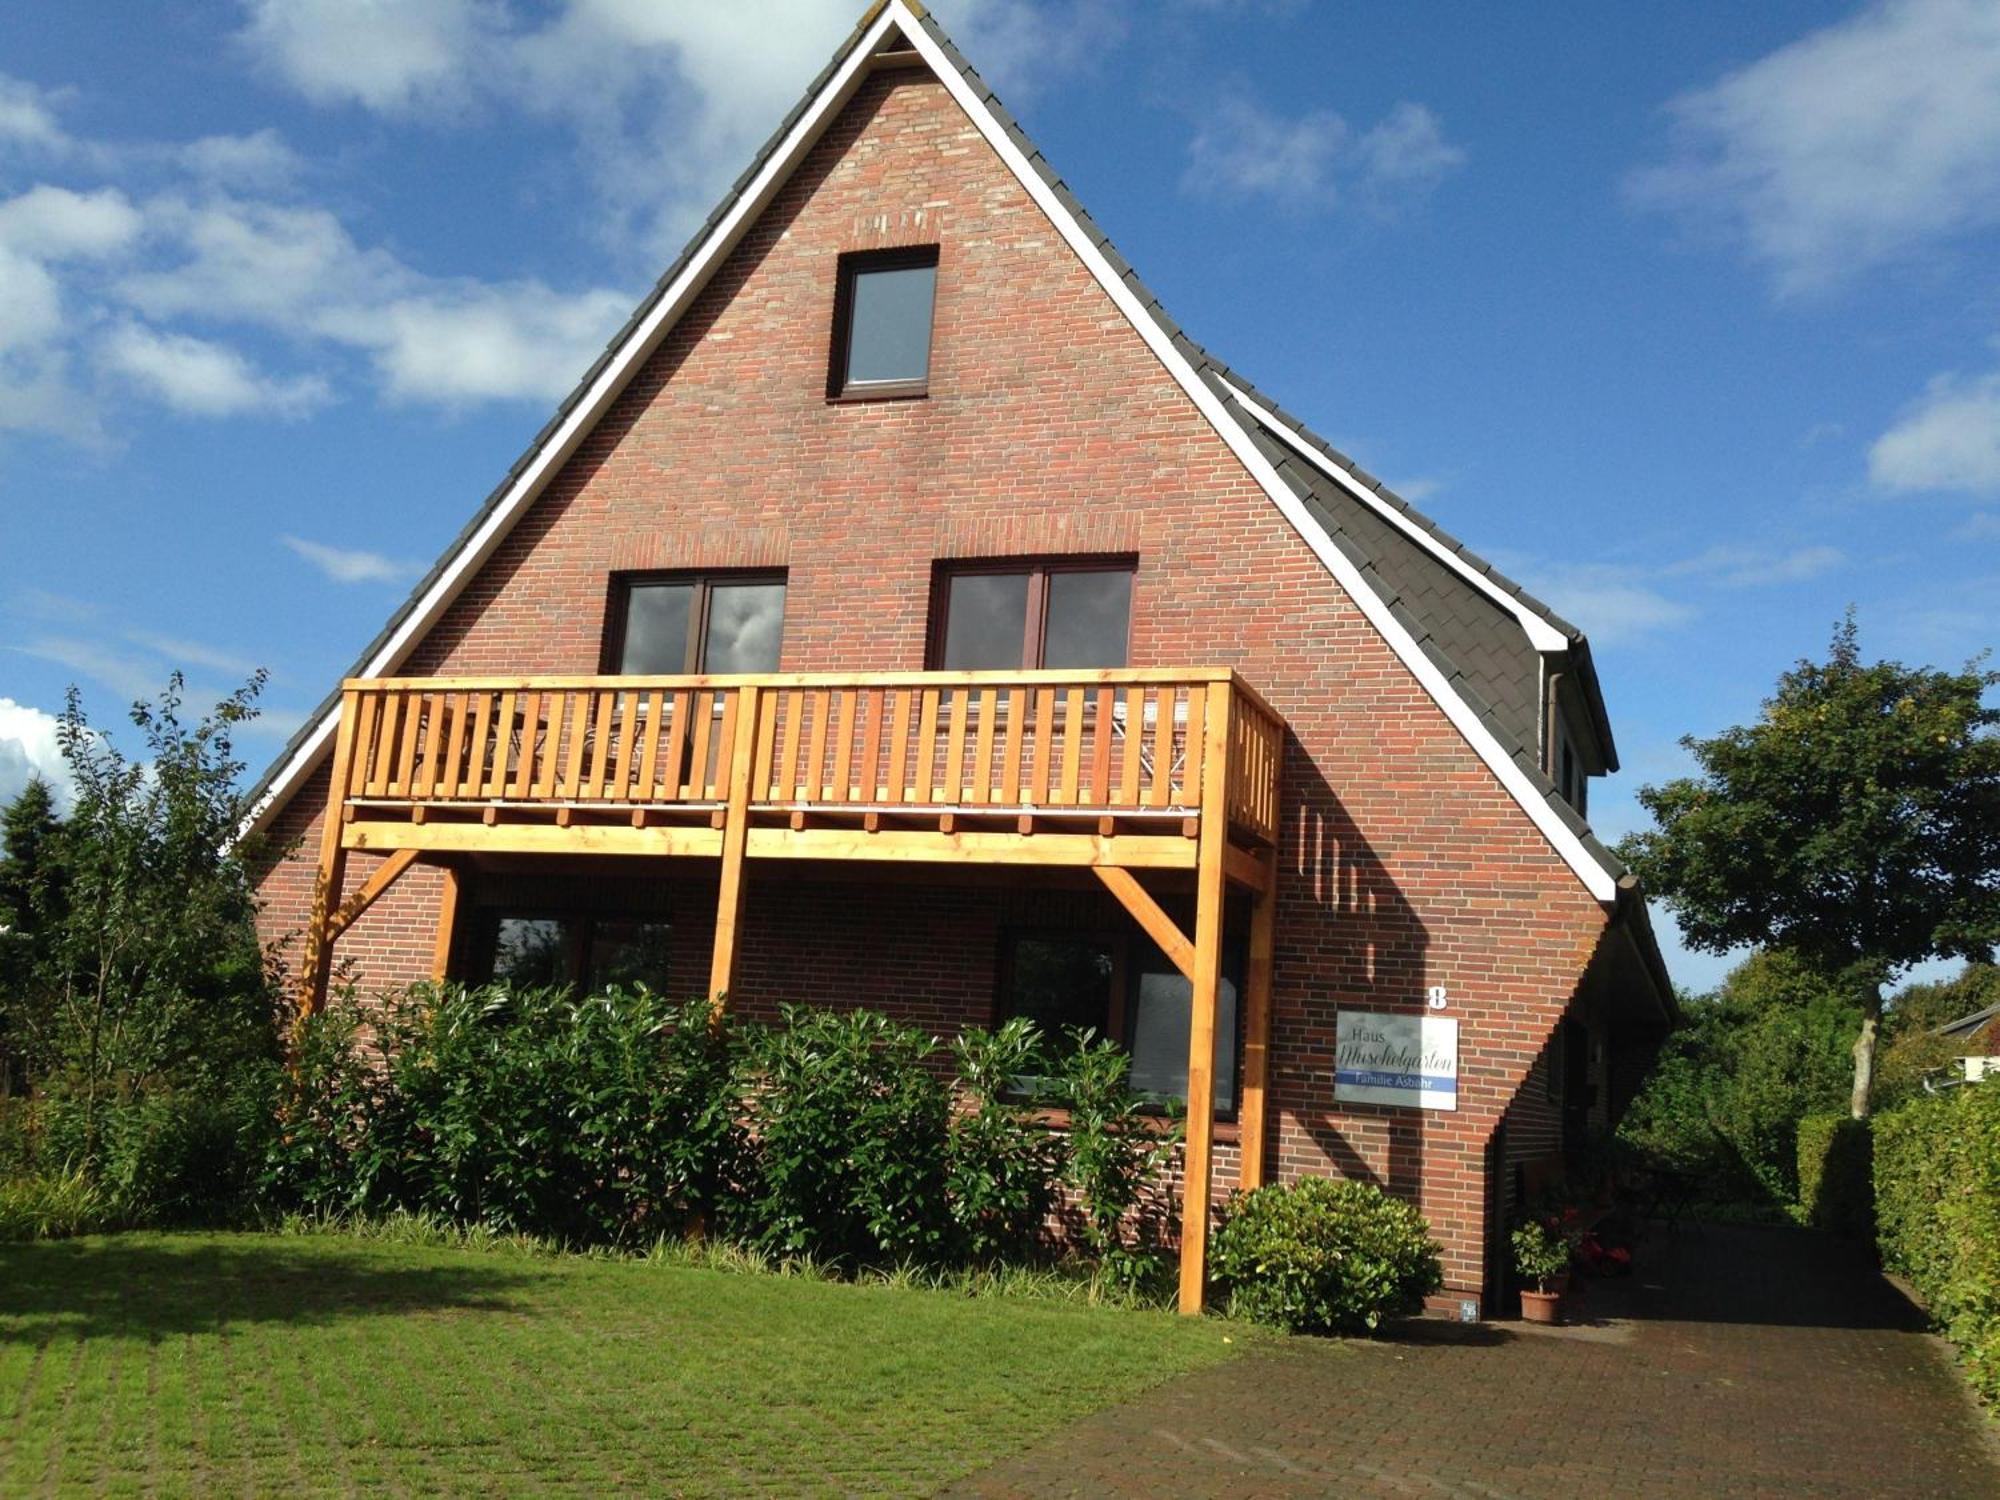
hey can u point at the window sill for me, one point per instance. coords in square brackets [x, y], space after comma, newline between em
[878, 393]
[1227, 1132]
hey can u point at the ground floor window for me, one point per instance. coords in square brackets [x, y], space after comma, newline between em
[527, 948]
[1124, 988]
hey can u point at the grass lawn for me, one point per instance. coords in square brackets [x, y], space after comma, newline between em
[254, 1364]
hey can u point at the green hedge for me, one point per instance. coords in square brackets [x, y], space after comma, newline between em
[1836, 1191]
[1319, 1256]
[1937, 1213]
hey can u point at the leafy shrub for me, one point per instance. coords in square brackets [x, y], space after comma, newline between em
[1002, 1161]
[1835, 1161]
[1937, 1215]
[851, 1123]
[1120, 1145]
[1320, 1256]
[53, 1206]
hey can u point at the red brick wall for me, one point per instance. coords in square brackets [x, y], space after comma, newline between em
[1049, 428]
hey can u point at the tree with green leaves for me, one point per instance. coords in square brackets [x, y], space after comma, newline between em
[1856, 825]
[32, 889]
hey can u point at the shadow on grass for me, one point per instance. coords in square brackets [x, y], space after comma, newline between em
[157, 1287]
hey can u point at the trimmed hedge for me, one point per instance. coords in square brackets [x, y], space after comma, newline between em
[1937, 1215]
[1320, 1256]
[1836, 1163]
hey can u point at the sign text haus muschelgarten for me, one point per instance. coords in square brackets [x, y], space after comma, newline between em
[1390, 1059]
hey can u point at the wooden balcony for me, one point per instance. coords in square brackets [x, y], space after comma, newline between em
[1120, 772]
[1012, 768]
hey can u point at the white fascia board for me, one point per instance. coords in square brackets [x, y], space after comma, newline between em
[611, 380]
[1598, 880]
[1541, 634]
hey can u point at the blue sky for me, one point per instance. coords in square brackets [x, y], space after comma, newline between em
[1687, 315]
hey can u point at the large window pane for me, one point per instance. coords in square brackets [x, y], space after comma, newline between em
[1059, 983]
[746, 627]
[1162, 1005]
[889, 327]
[531, 951]
[656, 629]
[986, 615]
[1089, 619]
[626, 953]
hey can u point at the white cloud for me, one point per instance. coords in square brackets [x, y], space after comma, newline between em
[28, 748]
[1313, 161]
[1611, 601]
[1754, 567]
[182, 653]
[1854, 146]
[390, 55]
[203, 379]
[131, 677]
[1949, 439]
[1984, 527]
[344, 565]
[26, 115]
[54, 223]
[258, 160]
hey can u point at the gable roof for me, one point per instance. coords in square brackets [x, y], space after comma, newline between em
[1435, 604]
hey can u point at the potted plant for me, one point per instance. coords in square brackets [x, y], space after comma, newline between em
[1541, 1256]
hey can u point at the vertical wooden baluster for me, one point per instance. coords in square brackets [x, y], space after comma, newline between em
[843, 751]
[1163, 745]
[622, 765]
[426, 778]
[767, 723]
[524, 762]
[982, 750]
[503, 741]
[445, 785]
[787, 787]
[815, 787]
[1045, 724]
[677, 733]
[1191, 756]
[649, 762]
[1100, 749]
[869, 787]
[554, 707]
[384, 759]
[1135, 740]
[1072, 754]
[475, 750]
[899, 745]
[600, 746]
[725, 743]
[579, 739]
[701, 735]
[954, 747]
[926, 746]
[1010, 751]
[366, 709]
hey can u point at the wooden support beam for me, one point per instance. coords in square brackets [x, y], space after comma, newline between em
[385, 875]
[447, 925]
[538, 838]
[1249, 870]
[316, 962]
[1254, 1115]
[735, 838]
[924, 846]
[1198, 1162]
[1158, 926]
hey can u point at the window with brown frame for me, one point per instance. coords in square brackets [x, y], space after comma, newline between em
[882, 304]
[1126, 989]
[1063, 613]
[540, 948]
[661, 624]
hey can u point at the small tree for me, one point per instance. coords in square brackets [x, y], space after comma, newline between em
[32, 887]
[1856, 824]
[148, 966]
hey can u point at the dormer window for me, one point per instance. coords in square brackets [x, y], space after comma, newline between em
[882, 324]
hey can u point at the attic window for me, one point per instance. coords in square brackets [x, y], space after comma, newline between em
[882, 324]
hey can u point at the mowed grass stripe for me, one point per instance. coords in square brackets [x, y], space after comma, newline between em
[252, 1364]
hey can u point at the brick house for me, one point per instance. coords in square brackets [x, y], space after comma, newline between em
[905, 612]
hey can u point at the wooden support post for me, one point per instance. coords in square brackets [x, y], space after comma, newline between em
[386, 874]
[316, 963]
[735, 834]
[1257, 1029]
[447, 927]
[1198, 1160]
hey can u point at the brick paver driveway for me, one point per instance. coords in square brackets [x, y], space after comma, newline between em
[1737, 1362]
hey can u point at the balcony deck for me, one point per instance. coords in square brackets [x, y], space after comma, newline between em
[1118, 771]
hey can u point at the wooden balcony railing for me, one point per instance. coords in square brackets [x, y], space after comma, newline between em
[1126, 744]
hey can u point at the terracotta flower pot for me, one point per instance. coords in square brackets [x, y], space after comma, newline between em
[1541, 1307]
